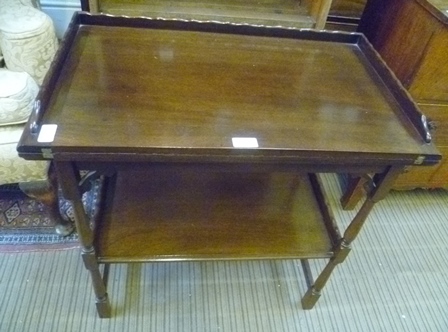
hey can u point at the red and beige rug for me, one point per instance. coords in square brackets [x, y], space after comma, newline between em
[25, 224]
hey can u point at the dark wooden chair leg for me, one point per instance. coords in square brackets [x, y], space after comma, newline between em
[46, 192]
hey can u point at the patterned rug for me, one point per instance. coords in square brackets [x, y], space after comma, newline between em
[26, 222]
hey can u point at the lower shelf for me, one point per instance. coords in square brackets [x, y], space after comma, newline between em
[165, 215]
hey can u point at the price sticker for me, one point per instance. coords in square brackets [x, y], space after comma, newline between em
[244, 142]
[47, 133]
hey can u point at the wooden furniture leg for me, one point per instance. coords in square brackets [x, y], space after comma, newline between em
[46, 192]
[355, 190]
[71, 189]
[383, 186]
[353, 193]
[320, 9]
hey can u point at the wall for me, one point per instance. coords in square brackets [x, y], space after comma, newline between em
[61, 12]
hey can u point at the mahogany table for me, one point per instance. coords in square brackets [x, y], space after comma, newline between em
[212, 137]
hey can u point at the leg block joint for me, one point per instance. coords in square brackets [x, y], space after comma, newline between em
[89, 259]
[341, 252]
[103, 307]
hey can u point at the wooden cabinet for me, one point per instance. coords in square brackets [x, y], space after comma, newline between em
[287, 13]
[347, 8]
[344, 15]
[412, 38]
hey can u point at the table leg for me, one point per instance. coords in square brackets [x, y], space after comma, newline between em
[313, 293]
[379, 192]
[354, 192]
[69, 180]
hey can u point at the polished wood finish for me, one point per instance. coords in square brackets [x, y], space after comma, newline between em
[412, 37]
[70, 180]
[354, 190]
[285, 13]
[175, 74]
[344, 15]
[208, 215]
[153, 105]
[347, 8]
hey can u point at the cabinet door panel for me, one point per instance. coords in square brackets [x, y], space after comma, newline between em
[440, 177]
[415, 177]
[400, 30]
[431, 81]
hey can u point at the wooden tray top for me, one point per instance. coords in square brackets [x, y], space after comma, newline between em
[156, 87]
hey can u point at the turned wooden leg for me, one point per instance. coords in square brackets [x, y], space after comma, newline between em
[99, 284]
[46, 192]
[377, 193]
[71, 185]
[314, 289]
[356, 190]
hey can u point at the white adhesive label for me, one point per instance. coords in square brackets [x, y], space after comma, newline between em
[244, 142]
[47, 133]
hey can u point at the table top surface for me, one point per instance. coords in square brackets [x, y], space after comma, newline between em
[128, 89]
